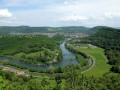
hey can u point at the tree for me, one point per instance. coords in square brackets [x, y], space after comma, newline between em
[1, 83]
[35, 85]
[44, 82]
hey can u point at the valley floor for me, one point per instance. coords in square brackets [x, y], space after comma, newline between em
[100, 67]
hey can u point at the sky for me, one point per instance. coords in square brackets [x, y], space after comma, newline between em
[56, 13]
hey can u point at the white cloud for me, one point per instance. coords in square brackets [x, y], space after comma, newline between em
[46, 12]
[7, 18]
[5, 13]
[111, 15]
[76, 18]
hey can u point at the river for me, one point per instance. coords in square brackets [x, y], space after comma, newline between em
[68, 58]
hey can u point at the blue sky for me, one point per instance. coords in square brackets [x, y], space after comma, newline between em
[60, 12]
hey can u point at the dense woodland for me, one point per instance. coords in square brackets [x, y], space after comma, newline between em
[30, 49]
[70, 79]
[109, 39]
[68, 29]
[59, 37]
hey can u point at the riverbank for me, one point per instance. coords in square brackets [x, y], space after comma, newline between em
[100, 65]
[67, 56]
[84, 60]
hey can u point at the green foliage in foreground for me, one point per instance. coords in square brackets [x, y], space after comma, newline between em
[29, 49]
[1, 82]
[70, 79]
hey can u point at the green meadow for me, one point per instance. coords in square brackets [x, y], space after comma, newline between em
[100, 66]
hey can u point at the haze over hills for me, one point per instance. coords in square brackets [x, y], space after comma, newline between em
[67, 29]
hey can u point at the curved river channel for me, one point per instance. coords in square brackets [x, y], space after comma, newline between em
[68, 58]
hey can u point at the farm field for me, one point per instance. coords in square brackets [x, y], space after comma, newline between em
[100, 67]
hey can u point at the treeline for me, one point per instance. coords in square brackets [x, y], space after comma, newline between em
[59, 37]
[80, 56]
[109, 39]
[11, 81]
[68, 29]
[76, 51]
[42, 48]
[22, 29]
[26, 29]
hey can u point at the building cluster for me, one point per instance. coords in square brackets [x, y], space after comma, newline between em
[52, 34]
[74, 35]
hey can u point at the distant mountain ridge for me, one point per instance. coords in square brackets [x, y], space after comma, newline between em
[69, 29]
[81, 29]
[97, 28]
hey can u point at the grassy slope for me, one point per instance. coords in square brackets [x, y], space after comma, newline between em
[81, 60]
[101, 65]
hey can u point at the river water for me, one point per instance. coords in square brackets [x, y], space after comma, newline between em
[68, 58]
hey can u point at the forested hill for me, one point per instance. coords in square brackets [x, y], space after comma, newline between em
[95, 29]
[29, 49]
[74, 29]
[27, 29]
[22, 29]
[66, 29]
[109, 39]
